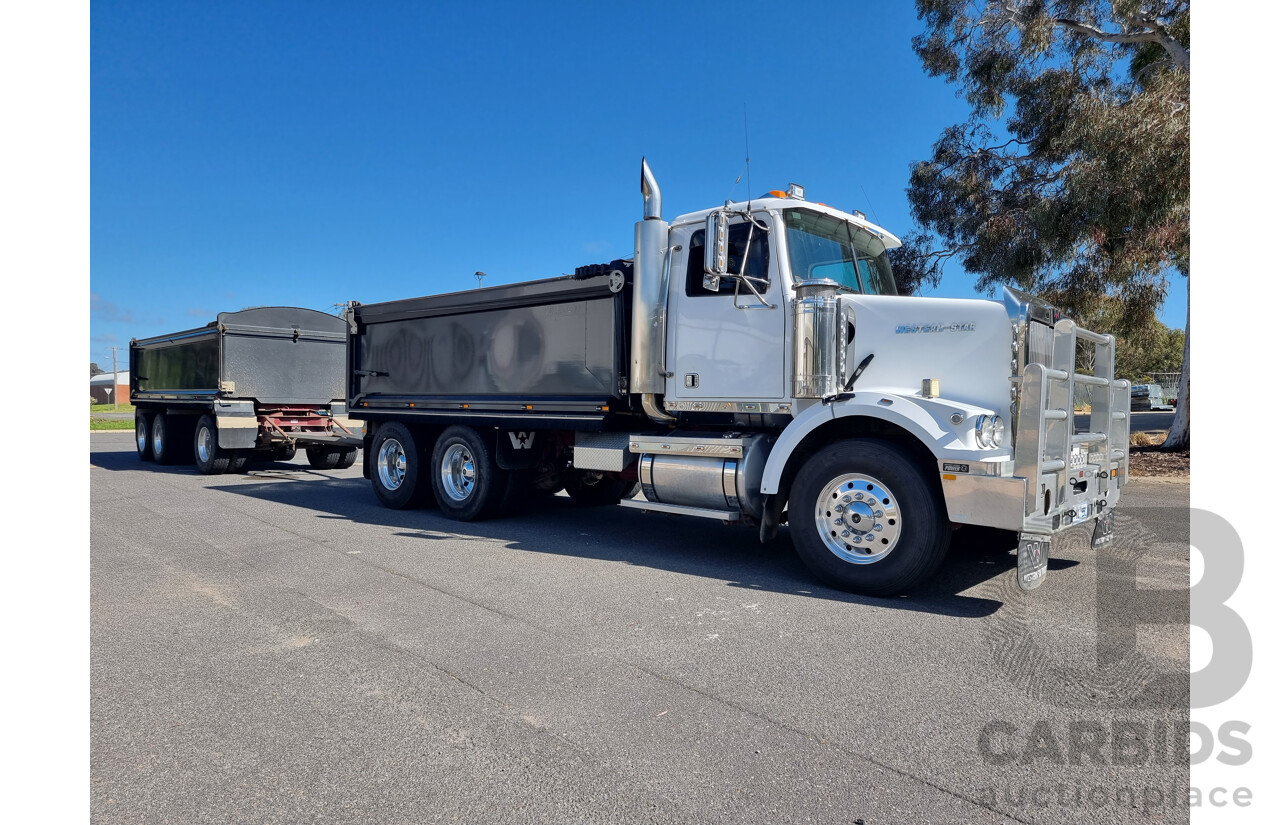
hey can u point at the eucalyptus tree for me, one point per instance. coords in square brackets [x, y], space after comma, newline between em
[1071, 177]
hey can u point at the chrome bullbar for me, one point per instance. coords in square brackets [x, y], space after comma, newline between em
[1072, 476]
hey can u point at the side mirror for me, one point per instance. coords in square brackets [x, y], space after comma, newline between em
[716, 262]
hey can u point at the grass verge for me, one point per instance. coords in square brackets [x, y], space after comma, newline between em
[110, 424]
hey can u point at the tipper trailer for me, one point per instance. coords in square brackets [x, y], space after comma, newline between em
[752, 364]
[261, 382]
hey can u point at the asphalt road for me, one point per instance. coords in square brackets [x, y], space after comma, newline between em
[277, 647]
[1148, 421]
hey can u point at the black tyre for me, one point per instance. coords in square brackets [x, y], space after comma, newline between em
[166, 441]
[865, 518]
[211, 459]
[346, 457]
[285, 453]
[591, 488]
[467, 481]
[323, 458]
[397, 471]
[142, 434]
[239, 460]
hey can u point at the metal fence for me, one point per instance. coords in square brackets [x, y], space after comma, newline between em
[1168, 381]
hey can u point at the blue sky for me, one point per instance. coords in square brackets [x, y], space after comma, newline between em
[306, 154]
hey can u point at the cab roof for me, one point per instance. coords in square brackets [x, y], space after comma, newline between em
[772, 202]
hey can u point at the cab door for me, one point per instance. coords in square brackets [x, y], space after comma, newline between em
[723, 346]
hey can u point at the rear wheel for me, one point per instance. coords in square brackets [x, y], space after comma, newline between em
[866, 519]
[346, 457]
[397, 472]
[142, 435]
[164, 439]
[467, 481]
[285, 453]
[210, 458]
[239, 459]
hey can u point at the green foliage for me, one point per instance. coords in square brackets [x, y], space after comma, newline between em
[1148, 347]
[1071, 178]
[94, 369]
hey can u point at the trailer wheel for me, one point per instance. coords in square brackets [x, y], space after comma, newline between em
[397, 471]
[591, 488]
[866, 519]
[331, 458]
[210, 458]
[323, 458]
[164, 439]
[346, 457]
[285, 453]
[468, 483]
[142, 434]
[239, 459]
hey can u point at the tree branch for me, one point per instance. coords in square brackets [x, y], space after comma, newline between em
[1149, 34]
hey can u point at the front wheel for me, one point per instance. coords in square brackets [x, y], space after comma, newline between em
[866, 519]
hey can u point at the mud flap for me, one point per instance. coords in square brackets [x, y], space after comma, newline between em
[1033, 560]
[1102, 528]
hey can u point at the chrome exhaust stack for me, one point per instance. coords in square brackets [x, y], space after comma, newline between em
[649, 308]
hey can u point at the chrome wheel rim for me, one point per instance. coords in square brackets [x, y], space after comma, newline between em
[157, 438]
[458, 472]
[391, 464]
[204, 444]
[858, 518]
[140, 432]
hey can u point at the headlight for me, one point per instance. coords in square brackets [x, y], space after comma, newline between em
[989, 431]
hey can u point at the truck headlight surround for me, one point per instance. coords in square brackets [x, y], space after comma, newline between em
[989, 431]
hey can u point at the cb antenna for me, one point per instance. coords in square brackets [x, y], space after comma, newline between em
[747, 143]
[868, 199]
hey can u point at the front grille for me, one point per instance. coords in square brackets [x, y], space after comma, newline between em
[1039, 344]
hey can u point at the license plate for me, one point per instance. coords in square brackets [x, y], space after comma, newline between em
[1033, 561]
[1102, 528]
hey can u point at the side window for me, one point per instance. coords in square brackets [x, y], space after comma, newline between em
[757, 261]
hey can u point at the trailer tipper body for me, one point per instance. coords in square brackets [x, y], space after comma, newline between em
[753, 364]
[261, 382]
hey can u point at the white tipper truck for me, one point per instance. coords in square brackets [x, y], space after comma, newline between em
[752, 363]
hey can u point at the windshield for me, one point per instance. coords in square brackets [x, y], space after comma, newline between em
[820, 246]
